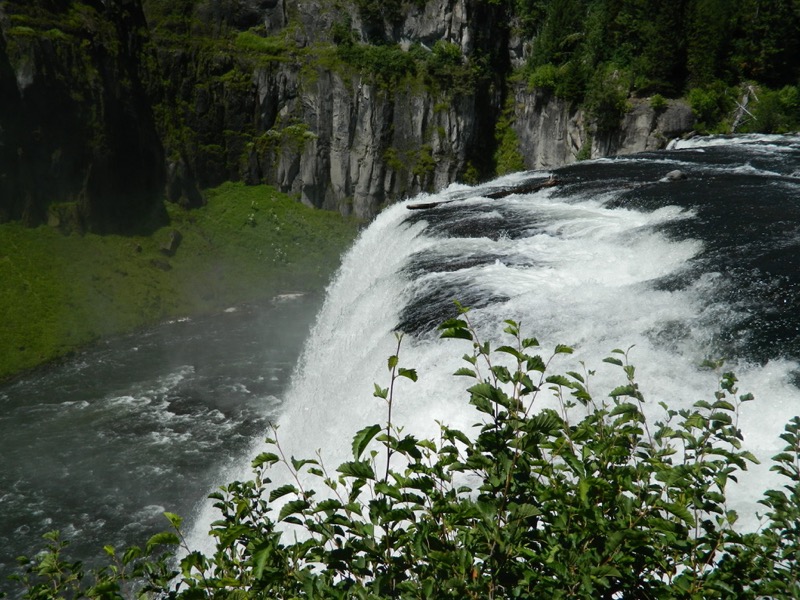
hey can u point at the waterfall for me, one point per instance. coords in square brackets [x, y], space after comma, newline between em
[613, 256]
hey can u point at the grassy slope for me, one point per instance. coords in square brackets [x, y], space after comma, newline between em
[58, 292]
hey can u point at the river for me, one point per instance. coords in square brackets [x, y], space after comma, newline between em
[100, 445]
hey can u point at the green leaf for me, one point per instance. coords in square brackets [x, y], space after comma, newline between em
[408, 373]
[260, 557]
[583, 490]
[465, 372]
[330, 504]
[265, 458]
[408, 446]
[282, 491]
[575, 375]
[388, 490]
[359, 469]
[623, 390]
[456, 328]
[723, 405]
[680, 511]
[512, 351]
[292, 507]
[457, 333]
[299, 463]
[362, 439]
[456, 435]
[512, 327]
[131, 554]
[454, 324]
[193, 560]
[501, 372]
[174, 519]
[747, 455]
[380, 392]
[530, 343]
[562, 349]
[524, 511]
[535, 363]
[166, 538]
[625, 408]
[559, 380]
[393, 360]
[573, 461]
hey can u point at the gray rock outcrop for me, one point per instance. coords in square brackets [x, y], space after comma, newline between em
[645, 128]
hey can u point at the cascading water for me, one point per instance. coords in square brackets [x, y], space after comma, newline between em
[615, 255]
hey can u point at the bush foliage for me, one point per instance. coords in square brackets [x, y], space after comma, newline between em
[670, 48]
[583, 498]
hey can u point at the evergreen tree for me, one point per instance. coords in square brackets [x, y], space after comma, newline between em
[770, 41]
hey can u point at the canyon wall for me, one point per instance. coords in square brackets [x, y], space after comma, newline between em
[107, 108]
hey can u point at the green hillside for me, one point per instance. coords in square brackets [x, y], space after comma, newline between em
[246, 245]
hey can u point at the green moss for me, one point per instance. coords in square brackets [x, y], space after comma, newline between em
[247, 244]
[425, 164]
[471, 174]
[56, 34]
[275, 46]
[507, 156]
[385, 66]
[293, 137]
[585, 152]
[658, 102]
[22, 30]
[392, 158]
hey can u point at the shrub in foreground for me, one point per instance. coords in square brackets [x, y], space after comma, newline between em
[585, 500]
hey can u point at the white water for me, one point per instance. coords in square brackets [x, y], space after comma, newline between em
[581, 278]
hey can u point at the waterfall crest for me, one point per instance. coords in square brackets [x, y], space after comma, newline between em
[614, 256]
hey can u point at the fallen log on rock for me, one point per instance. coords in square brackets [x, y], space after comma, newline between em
[524, 188]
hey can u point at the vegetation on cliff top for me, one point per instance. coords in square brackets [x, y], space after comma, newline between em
[246, 245]
[558, 492]
[600, 51]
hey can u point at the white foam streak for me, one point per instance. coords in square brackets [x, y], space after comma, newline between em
[727, 140]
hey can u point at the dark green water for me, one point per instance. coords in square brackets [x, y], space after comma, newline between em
[100, 446]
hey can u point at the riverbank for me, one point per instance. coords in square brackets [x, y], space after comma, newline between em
[249, 243]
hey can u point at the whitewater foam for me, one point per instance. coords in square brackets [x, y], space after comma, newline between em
[575, 271]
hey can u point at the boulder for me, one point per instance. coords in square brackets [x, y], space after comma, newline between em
[172, 243]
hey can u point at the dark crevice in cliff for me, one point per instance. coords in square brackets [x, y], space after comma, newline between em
[88, 155]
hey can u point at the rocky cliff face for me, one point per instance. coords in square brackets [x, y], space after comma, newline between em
[293, 113]
[553, 132]
[112, 112]
[353, 146]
